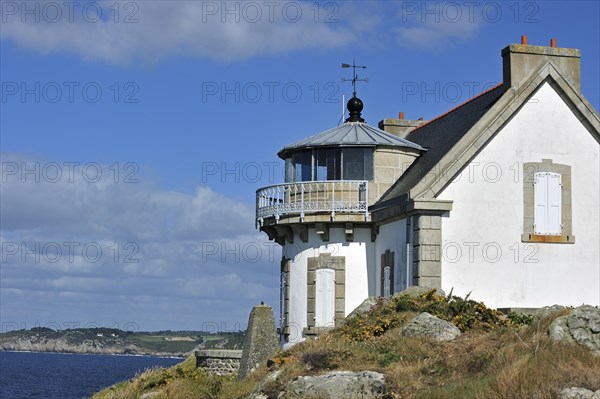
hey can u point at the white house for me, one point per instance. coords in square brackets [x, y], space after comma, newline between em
[498, 197]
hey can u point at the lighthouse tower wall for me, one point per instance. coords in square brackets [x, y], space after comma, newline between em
[354, 281]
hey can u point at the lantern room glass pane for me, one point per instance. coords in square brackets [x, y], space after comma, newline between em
[289, 170]
[368, 153]
[327, 164]
[302, 166]
[321, 165]
[334, 164]
[358, 163]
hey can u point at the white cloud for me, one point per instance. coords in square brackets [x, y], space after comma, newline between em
[152, 30]
[435, 26]
[74, 248]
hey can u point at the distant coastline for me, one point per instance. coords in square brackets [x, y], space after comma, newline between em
[104, 341]
[99, 354]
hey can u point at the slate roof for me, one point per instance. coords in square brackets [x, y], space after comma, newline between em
[438, 136]
[357, 134]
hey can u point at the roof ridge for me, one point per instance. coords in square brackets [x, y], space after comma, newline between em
[457, 107]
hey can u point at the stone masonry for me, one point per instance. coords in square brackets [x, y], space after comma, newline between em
[219, 362]
[427, 230]
[261, 339]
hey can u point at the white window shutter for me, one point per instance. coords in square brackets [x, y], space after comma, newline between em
[554, 204]
[547, 190]
[540, 197]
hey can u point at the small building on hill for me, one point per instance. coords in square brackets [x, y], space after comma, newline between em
[498, 197]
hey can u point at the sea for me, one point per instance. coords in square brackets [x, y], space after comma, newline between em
[26, 375]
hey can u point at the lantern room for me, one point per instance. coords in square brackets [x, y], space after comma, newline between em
[338, 172]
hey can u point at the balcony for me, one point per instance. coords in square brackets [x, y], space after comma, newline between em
[312, 197]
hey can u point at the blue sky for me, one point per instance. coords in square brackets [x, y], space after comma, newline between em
[134, 135]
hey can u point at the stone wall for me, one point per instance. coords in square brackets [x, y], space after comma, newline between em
[388, 165]
[427, 249]
[219, 362]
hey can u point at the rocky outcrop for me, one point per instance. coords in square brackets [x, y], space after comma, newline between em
[578, 393]
[338, 385]
[546, 311]
[259, 391]
[412, 292]
[363, 308]
[427, 325]
[581, 326]
[151, 395]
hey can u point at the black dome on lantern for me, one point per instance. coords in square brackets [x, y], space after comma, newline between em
[355, 106]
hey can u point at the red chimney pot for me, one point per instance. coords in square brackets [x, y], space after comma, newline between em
[553, 42]
[401, 115]
[524, 40]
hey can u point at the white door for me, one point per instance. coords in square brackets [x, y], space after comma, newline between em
[325, 298]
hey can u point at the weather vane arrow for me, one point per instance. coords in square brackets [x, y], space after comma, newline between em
[355, 76]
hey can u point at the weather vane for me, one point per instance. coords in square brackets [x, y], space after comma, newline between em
[355, 77]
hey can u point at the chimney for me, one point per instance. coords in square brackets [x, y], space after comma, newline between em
[399, 127]
[519, 60]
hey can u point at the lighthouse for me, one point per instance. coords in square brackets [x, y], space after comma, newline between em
[320, 217]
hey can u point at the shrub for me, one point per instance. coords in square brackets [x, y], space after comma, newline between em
[372, 324]
[520, 318]
[464, 313]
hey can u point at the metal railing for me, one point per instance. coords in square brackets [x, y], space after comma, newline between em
[335, 196]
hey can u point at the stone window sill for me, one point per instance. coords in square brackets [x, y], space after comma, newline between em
[550, 239]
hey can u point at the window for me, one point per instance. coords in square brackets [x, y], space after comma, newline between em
[547, 204]
[330, 164]
[289, 170]
[547, 199]
[387, 274]
[334, 164]
[302, 165]
[387, 282]
[358, 163]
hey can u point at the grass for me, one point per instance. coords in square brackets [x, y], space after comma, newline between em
[160, 344]
[495, 357]
[181, 381]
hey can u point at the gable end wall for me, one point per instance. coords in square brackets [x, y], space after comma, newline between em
[482, 247]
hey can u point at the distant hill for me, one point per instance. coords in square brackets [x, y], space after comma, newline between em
[115, 342]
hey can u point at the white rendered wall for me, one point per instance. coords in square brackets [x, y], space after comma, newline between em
[357, 253]
[487, 215]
